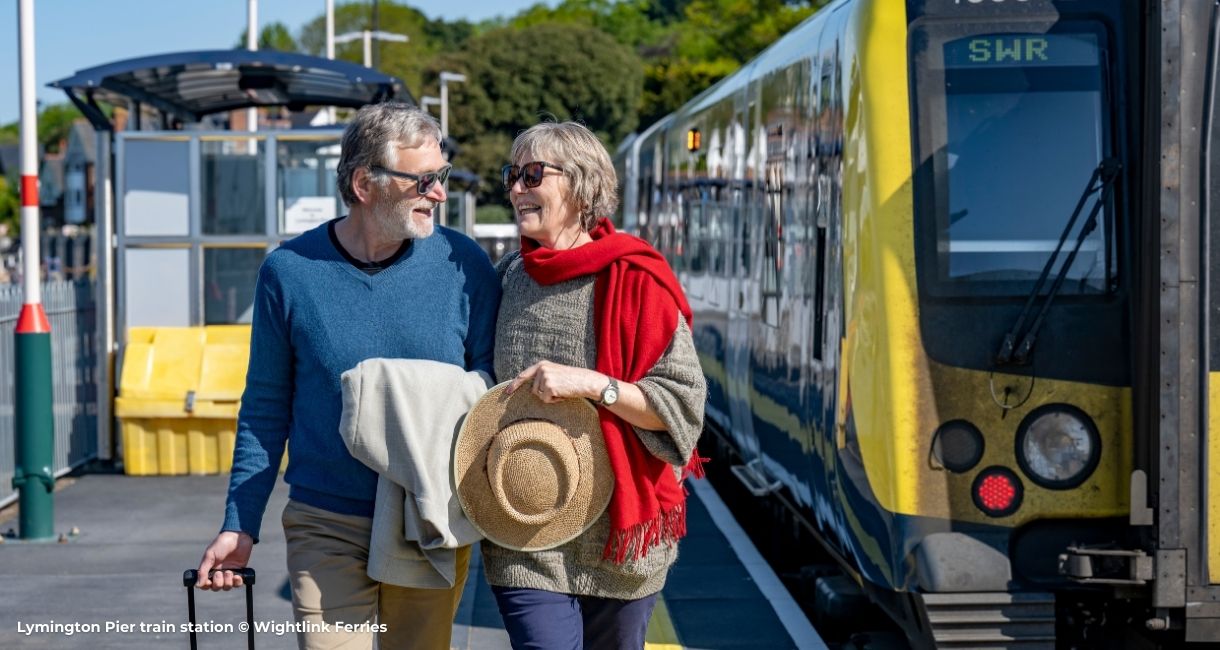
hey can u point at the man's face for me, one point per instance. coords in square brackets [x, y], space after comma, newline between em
[399, 209]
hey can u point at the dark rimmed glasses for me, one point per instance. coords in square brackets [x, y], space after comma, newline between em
[423, 182]
[530, 173]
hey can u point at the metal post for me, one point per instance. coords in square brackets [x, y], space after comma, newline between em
[252, 45]
[103, 260]
[445, 78]
[32, 475]
[330, 29]
[368, 48]
[330, 47]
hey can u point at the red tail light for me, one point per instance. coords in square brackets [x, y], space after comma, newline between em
[997, 491]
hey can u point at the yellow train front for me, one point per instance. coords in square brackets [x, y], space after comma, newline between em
[906, 232]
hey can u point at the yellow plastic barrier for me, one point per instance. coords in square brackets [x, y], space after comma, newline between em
[178, 398]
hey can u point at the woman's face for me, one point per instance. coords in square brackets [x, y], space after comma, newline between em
[544, 211]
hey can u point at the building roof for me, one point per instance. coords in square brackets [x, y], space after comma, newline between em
[10, 160]
[82, 143]
[190, 85]
[51, 179]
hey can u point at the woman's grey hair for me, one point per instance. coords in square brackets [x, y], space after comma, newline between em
[592, 183]
[372, 136]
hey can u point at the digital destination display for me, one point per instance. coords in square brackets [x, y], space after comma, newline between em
[1024, 50]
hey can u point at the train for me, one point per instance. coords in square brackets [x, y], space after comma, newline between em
[949, 267]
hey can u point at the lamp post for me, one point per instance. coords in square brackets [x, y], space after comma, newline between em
[446, 78]
[428, 100]
[368, 35]
[330, 47]
[252, 45]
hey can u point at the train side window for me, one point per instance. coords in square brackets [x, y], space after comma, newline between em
[773, 236]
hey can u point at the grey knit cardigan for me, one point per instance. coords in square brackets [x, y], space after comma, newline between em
[555, 323]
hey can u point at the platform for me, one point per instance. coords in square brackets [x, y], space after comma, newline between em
[137, 535]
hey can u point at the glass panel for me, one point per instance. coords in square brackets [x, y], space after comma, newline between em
[156, 187]
[157, 290]
[1025, 127]
[229, 275]
[233, 187]
[306, 174]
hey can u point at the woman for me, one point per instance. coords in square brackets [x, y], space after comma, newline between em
[573, 295]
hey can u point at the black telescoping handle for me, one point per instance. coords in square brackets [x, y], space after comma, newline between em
[191, 576]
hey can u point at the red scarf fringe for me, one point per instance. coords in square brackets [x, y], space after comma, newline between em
[637, 300]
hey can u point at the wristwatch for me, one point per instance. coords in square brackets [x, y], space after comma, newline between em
[609, 393]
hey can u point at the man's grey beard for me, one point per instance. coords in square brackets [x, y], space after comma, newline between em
[389, 219]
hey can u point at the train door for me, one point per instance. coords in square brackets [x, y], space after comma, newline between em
[1209, 240]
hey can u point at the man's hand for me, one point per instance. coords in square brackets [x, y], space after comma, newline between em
[230, 550]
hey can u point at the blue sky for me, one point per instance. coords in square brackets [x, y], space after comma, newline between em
[72, 35]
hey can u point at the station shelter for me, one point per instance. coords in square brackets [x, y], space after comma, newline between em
[186, 214]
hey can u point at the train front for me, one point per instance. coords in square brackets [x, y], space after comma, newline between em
[1016, 394]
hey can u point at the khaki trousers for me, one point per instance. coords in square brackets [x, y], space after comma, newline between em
[336, 603]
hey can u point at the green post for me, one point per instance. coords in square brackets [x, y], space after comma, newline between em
[33, 476]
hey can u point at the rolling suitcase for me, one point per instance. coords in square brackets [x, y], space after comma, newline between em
[189, 578]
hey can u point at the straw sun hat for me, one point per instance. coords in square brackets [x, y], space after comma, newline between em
[531, 475]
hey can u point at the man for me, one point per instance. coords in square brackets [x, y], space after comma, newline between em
[376, 283]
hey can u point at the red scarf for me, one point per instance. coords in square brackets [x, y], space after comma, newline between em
[635, 311]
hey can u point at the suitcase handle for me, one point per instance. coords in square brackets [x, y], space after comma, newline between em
[190, 576]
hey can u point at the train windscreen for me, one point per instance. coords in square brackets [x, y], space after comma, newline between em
[1016, 128]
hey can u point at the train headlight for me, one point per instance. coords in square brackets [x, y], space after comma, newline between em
[1058, 446]
[957, 445]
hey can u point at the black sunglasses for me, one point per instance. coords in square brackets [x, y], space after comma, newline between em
[530, 173]
[423, 182]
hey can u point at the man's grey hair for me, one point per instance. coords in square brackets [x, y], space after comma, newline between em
[372, 136]
[592, 182]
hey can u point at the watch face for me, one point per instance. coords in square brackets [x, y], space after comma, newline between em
[609, 396]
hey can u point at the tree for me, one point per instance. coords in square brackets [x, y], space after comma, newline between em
[519, 77]
[10, 207]
[273, 36]
[54, 124]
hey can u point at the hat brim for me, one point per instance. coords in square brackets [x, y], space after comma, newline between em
[595, 484]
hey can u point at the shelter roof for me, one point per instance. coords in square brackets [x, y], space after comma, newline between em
[190, 85]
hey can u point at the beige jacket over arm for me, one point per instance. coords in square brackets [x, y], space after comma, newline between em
[400, 417]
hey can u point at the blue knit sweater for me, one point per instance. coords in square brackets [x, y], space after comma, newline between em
[316, 316]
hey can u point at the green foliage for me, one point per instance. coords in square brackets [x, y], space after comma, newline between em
[493, 213]
[273, 36]
[54, 123]
[686, 45]
[669, 85]
[517, 77]
[736, 29]
[10, 207]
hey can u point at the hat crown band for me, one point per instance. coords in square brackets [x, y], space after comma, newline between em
[533, 469]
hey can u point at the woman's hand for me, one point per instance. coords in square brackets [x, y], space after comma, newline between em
[553, 382]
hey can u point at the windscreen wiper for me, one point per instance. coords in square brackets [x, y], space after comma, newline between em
[1102, 180]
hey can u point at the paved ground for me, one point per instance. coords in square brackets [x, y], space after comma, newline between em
[138, 534]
